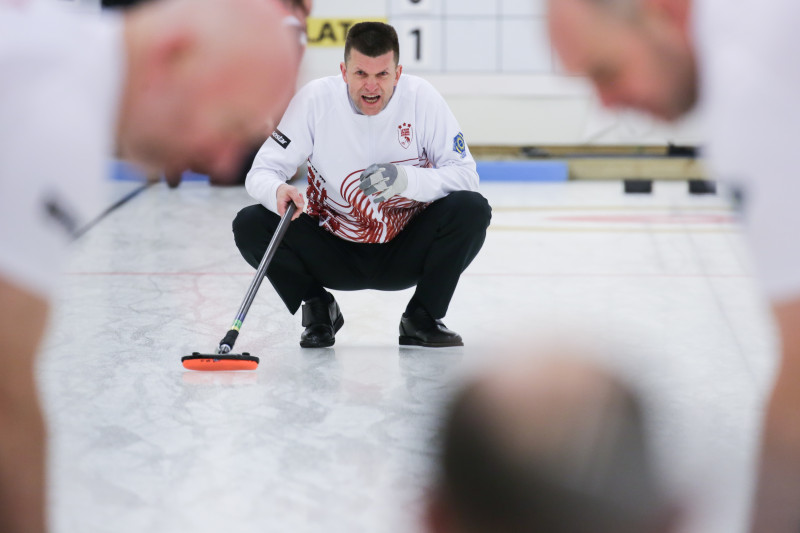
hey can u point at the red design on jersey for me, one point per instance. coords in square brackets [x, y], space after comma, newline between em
[424, 162]
[404, 134]
[358, 219]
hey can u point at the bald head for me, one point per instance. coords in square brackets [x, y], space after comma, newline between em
[637, 53]
[556, 446]
[560, 408]
[205, 79]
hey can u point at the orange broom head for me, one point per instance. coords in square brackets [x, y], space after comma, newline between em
[219, 362]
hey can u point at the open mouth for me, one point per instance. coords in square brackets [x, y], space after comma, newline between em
[371, 99]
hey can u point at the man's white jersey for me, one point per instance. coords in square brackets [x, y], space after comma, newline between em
[416, 129]
[60, 81]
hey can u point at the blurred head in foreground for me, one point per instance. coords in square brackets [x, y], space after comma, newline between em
[205, 79]
[555, 447]
[637, 53]
[299, 8]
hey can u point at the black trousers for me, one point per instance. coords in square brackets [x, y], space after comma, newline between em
[431, 252]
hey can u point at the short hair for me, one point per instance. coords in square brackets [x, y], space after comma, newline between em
[494, 488]
[372, 39]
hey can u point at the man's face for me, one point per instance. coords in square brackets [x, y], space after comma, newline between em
[645, 63]
[370, 80]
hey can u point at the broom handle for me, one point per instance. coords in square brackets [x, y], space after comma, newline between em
[226, 344]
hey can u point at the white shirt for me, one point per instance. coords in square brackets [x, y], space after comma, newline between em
[750, 79]
[415, 129]
[60, 78]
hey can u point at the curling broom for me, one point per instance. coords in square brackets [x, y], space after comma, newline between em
[223, 359]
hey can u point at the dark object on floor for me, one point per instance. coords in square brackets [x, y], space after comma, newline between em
[638, 186]
[702, 187]
[681, 151]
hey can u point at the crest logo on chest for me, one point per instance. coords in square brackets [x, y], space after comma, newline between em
[405, 134]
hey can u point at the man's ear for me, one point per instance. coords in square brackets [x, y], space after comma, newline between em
[676, 12]
[343, 68]
[399, 71]
[171, 50]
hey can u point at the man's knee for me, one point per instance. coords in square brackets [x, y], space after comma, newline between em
[250, 224]
[470, 209]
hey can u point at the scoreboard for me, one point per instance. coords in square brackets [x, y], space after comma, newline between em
[456, 36]
[473, 36]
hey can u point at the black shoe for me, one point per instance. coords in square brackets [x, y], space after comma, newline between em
[420, 329]
[322, 319]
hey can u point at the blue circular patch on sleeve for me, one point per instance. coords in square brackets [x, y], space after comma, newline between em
[459, 146]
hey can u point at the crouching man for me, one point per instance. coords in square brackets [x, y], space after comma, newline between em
[392, 195]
